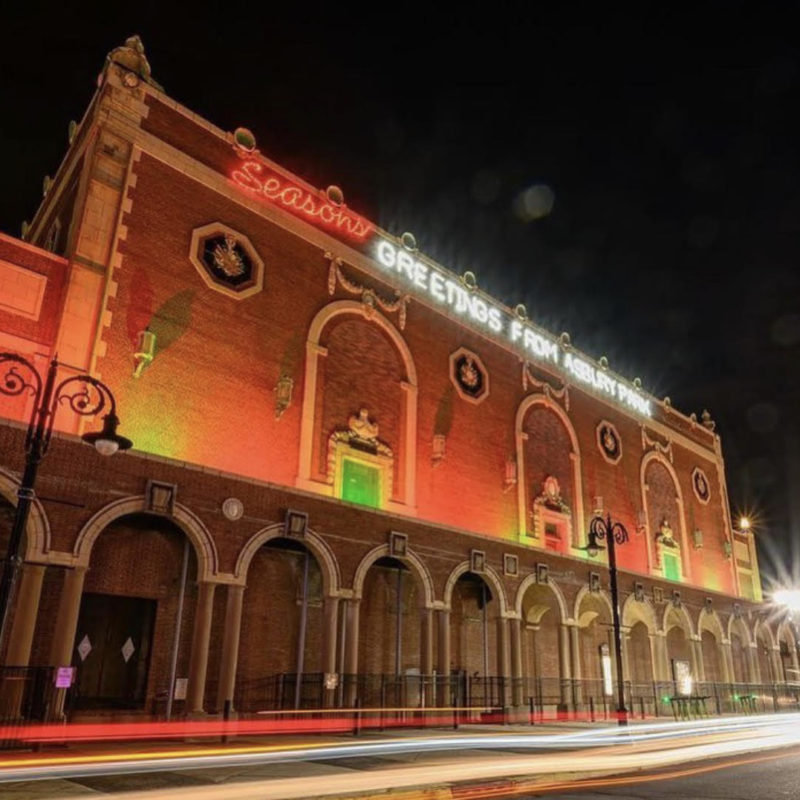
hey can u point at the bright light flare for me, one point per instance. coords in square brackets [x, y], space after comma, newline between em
[788, 598]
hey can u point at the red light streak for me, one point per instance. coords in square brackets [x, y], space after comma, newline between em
[254, 179]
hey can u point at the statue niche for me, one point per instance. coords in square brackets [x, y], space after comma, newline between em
[550, 517]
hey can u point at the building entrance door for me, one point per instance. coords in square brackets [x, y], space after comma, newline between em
[112, 651]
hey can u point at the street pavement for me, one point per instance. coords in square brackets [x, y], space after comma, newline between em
[774, 777]
[496, 768]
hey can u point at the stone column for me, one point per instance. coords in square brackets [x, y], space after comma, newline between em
[201, 636]
[230, 646]
[795, 661]
[67, 617]
[696, 659]
[625, 636]
[426, 642]
[575, 660]
[517, 693]
[21, 637]
[727, 662]
[443, 696]
[753, 670]
[66, 623]
[564, 665]
[505, 666]
[26, 610]
[699, 664]
[661, 657]
[330, 612]
[426, 657]
[352, 613]
[777, 667]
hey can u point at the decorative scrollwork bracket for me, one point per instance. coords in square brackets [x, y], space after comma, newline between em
[529, 379]
[369, 297]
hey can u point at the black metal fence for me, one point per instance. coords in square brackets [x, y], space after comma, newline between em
[27, 695]
[479, 697]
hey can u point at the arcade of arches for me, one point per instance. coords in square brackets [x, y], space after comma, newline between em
[145, 605]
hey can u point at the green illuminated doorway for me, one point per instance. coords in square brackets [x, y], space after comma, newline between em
[361, 483]
[672, 569]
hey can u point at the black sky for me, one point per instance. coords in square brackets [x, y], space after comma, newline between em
[668, 137]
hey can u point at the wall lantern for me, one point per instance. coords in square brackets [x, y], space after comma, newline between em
[697, 537]
[295, 523]
[283, 395]
[439, 448]
[145, 351]
[510, 478]
[727, 548]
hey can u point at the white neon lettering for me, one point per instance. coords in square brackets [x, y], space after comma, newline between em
[387, 255]
[405, 264]
[420, 275]
[437, 287]
[480, 310]
[461, 301]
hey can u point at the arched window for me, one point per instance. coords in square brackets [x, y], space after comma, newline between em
[358, 428]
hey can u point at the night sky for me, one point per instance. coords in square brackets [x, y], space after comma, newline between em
[631, 177]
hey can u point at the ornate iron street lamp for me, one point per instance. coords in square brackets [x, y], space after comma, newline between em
[87, 397]
[615, 534]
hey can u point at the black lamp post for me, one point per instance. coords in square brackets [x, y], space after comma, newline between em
[87, 397]
[614, 533]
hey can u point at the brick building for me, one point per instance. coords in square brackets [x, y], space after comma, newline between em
[349, 464]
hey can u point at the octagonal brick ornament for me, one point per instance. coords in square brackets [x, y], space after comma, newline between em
[227, 261]
[609, 441]
[702, 489]
[469, 375]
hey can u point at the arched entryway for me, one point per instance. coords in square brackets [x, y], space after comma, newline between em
[765, 655]
[478, 646]
[740, 646]
[542, 614]
[787, 651]
[711, 637]
[282, 623]
[134, 628]
[594, 663]
[390, 636]
[681, 664]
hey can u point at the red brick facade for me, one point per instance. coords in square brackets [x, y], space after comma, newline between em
[207, 417]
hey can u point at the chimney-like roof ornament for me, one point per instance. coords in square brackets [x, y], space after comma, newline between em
[130, 59]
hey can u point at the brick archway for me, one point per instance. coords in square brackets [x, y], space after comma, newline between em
[186, 520]
[37, 531]
[331, 578]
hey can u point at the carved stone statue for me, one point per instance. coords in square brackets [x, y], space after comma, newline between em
[131, 57]
[361, 426]
[665, 533]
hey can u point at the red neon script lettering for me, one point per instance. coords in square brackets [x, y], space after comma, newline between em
[300, 201]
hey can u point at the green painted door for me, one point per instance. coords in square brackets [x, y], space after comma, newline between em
[672, 570]
[361, 483]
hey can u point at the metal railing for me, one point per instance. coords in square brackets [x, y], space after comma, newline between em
[27, 695]
[480, 696]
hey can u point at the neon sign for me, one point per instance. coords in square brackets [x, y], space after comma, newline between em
[482, 311]
[253, 178]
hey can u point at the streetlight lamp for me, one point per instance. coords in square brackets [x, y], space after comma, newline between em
[615, 534]
[87, 397]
